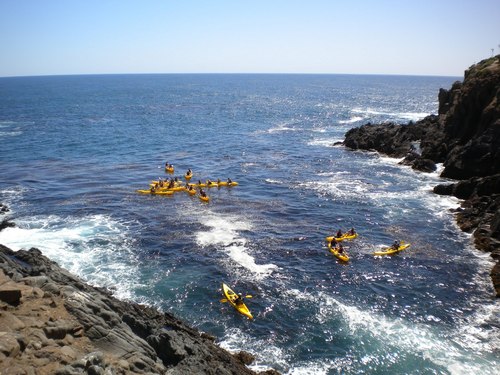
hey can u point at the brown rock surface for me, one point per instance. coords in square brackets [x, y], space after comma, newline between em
[60, 325]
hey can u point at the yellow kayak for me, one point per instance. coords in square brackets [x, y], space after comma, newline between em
[391, 250]
[155, 192]
[204, 199]
[191, 192]
[342, 256]
[231, 296]
[188, 176]
[345, 236]
[225, 183]
[211, 184]
[169, 170]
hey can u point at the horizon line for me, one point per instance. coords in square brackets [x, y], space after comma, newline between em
[228, 73]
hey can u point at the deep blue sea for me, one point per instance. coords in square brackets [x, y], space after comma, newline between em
[74, 150]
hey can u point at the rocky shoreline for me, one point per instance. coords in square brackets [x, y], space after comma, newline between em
[465, 137]
[54, 323]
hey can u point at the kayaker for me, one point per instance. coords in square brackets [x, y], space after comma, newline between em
[340, 248]
[202, 193]
[333, 243]
[396, 245]
[352, 232]
[339, 234]
[189, 172]
[152, 190]
[239, 299]
[229, 181]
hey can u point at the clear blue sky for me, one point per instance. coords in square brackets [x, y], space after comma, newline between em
[422, 37]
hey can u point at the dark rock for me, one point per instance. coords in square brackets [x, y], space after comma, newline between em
[6, 224]
[3, 209]
[465, 137]
[10, 295]
[245, 357]
[423, 165]
[444, 189]
[95, 370]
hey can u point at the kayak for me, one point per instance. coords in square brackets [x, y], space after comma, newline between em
[231, 296]
[169, 192]
[169, 170]
[342, 256]
[188, 176]
[391, 250]
[211, 184]
[345, 236]
[225, 183]
[204, 199]
[191, 192]
[164, 188]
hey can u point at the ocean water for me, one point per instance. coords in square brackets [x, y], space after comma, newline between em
[76, 148]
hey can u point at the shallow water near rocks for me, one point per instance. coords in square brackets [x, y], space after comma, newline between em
[75, 149]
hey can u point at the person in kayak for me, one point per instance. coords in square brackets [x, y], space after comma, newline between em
[340, 248]
[339, 234]
[239, 299]
[351, 232]
[396, 245]
[189, 172]
[202, 193]
[333, 243]
[229, 181]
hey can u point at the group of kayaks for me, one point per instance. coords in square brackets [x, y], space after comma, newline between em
[336, 248]
[173, 185]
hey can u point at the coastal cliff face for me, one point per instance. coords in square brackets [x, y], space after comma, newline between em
[465, 137]
[51, 322]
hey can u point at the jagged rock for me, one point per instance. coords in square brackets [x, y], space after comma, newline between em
[245, 357]
[138, 338]
[6, 224]
[3, 209]
[10, 295]
[465, 137]
[9, 346]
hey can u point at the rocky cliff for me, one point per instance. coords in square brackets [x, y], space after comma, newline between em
[51, 322]
[465, 137]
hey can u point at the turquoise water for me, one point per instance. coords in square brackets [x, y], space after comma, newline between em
[75, 149]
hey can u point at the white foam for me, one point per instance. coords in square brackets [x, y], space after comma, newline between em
[95, 247]
[328, 142]
[224, 232]
[415, 338]
[412, 116]
[352, 120]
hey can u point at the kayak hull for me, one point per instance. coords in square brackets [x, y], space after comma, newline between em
[204, 199]
[390, 250]
[155, 193]
[343, 257]
[231, 296]
[343, 237]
